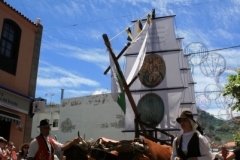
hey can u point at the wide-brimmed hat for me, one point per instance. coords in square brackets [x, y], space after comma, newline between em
[3, 140]
[23, 145]
[44, 123]
[186, 114]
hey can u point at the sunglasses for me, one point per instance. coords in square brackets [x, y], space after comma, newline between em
[26, 147]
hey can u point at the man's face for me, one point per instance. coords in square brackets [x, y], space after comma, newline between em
[45, 130]
[10, 147]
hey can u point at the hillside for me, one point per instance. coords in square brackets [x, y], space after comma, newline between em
[218, 130]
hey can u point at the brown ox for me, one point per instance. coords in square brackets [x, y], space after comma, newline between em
[155, 151]
[126, 150]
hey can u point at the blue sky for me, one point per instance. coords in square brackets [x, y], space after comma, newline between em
[73, 54]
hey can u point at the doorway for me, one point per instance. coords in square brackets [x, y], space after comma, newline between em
[5, 129]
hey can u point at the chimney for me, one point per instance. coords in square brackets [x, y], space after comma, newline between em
[38, 21]
[62, 93]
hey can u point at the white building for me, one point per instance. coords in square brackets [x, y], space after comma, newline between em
[93, 116]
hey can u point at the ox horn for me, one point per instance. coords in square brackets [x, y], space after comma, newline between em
[81, 139]
[56, 138]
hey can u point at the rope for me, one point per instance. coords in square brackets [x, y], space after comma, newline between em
[129, 26]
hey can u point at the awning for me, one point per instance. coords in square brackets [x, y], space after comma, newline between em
[9, 117]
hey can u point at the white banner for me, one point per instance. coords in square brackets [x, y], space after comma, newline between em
[161, 36]
[138, 62]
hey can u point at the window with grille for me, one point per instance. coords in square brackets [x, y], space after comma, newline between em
[9, 46]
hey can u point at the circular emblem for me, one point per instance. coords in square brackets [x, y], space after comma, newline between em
[203, 102]
[213, 91]
[224, 73]
[212, 64]
[224, 114]
[153, 71]
[196, 52]
[225, 102]
[151, 108]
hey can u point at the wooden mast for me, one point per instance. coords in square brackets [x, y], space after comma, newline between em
[127, 91]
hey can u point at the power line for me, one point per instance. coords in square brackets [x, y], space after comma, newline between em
[75, 42]
[106, 19]
[219, 49]
[73, 25]
[195, 4]
[24, 8]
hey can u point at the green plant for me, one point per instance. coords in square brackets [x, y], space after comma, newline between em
[233, 88]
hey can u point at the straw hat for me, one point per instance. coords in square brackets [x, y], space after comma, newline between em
[22, 145]
[3, 140]
[186, 114]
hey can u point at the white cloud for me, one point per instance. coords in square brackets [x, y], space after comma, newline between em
[101, 91]
[194, 35]
[52, 76]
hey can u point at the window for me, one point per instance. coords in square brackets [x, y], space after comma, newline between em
[55, 123]
[9, 46]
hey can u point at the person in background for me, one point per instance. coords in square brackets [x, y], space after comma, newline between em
[23, 151]
[222, 155]
[13, 155]
[191, 145]
[225, 152]
[235, 154]
[44, 147]
[3, 143]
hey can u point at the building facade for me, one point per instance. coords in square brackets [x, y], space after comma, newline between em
[92, 116]
[20, 41]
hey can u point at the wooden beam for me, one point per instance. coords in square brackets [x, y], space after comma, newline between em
[127, 91]
[119, 55]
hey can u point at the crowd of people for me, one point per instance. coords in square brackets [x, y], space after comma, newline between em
[41, 147]
[9, 152]
[190, 145]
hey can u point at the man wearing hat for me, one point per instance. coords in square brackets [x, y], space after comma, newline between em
[191, 145]
[43, 147]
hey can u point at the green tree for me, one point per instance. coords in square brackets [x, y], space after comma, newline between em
[233, 88]
[211, 127]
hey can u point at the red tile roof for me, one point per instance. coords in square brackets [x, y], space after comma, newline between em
[6, 4]
[230, 144]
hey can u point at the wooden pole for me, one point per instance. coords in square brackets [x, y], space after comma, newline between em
[119, 55]
[133, 80]
[127, 91]
[153, 14]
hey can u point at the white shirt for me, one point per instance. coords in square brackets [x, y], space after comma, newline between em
[33, 148]
[204, 146]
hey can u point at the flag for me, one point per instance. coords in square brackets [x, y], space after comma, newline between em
[139, 61]
[148, 19]
[128, 30]
[139, 26]
[117, 87]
